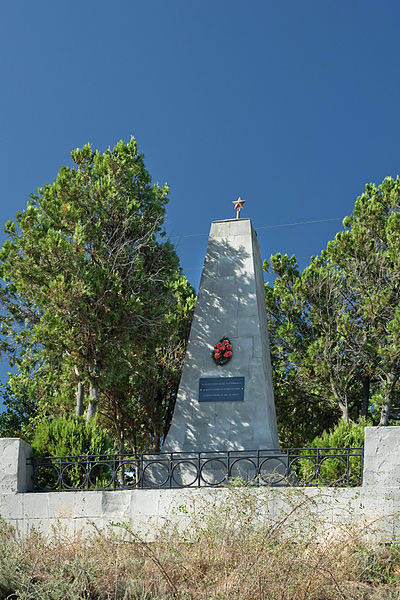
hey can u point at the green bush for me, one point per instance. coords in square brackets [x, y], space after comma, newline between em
[71, 436]
[343, 435]
[333, 470]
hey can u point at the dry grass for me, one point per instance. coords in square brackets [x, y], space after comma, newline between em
[225, 554]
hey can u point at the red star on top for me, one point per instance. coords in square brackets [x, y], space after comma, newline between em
[238, 206]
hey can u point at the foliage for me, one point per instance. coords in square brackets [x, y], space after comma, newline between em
[335, 327]
[17, 413]
[346, 434]
[367, 257]
[89, 292]
[70, 436]
[38, 390]
[143, 419]
[304, 405]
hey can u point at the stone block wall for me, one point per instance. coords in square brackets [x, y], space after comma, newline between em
[15, 474]
[375, 506]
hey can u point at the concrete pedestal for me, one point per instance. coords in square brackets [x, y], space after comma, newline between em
[15, 473]
[381, 456]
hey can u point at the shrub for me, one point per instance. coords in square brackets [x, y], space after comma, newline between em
[343, 435]
[70, 436]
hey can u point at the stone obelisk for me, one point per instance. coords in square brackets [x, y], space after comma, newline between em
[229, 407]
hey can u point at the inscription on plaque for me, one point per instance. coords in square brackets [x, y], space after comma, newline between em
[221, 389]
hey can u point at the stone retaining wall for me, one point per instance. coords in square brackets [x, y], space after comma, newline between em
[375, 506]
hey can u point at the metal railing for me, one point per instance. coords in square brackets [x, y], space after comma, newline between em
[294, 467]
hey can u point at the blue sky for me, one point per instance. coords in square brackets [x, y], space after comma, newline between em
[292, 105]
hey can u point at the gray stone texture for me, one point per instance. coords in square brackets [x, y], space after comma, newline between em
[231, 303]
[15, 474]
[373, 509]
[382, 456]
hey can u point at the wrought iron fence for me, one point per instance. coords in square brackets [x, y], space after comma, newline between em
[294, 466]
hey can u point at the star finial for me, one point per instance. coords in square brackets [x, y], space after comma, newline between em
[238, 206]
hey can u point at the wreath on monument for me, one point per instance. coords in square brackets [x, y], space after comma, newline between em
[222, 352]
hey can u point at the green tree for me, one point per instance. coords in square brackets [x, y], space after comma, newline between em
[336, 467]
[335, 327]
[143, 419]
[70, 436]
[87, 279]
[16, 414]
[367, 256]
[304, 403]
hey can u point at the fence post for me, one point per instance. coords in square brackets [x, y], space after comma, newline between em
[15, 474]
[382, 456]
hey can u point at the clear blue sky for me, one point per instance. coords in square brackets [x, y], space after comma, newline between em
[292, 105]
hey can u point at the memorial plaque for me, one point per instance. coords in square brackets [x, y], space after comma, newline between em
[221, 389]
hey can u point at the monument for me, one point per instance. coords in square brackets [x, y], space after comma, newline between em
[225, 400]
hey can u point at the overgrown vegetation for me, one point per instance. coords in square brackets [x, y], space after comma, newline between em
[224, 552]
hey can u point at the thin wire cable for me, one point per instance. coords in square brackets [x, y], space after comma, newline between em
[200, 267]
[300, 223]
[189, 235]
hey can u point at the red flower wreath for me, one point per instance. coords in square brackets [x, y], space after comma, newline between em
[222, 352]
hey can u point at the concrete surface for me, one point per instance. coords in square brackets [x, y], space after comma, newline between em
[382, 456]
[15, 474]
[373, 508]
[231, 303]
[375, 511]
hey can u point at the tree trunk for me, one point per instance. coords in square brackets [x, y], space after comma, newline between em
[121, 445]
[168, 417]
[345, 411]
[157, 441]
[385, 411]
[79, 400]
[79, 396]
[366, 383]
[93, 402]
[342, 403]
